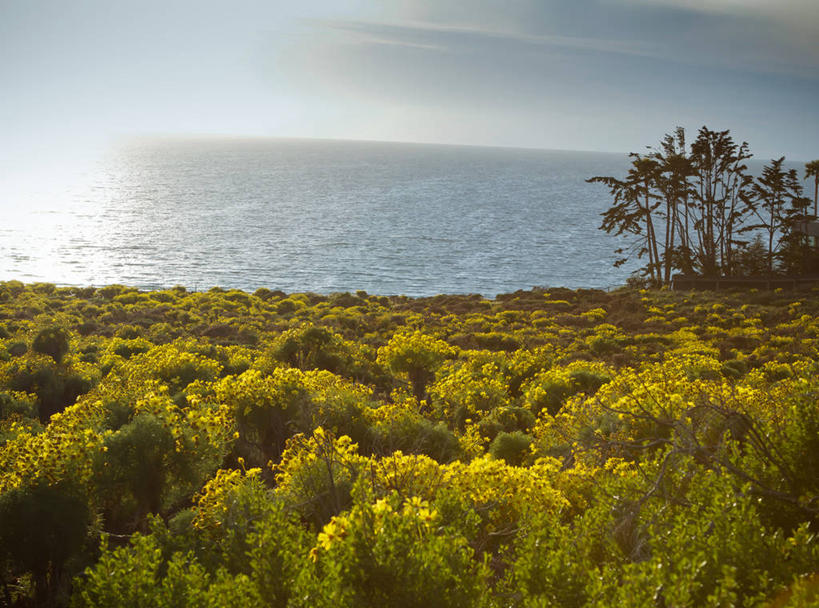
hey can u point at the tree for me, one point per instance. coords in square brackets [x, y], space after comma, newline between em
[778, 205]
[719, 190]
[812, 170]
[634, 203]
[687, 206]
[675, 169]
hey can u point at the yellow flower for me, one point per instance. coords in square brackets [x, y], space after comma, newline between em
[331, 533]
[382, 506]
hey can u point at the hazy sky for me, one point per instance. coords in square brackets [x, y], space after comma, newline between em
[610, 75]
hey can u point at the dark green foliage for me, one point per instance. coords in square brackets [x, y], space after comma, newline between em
[506, 419]
[127, 348]
[793, 473]
[44, 288]
[11, 405]
[512, 447]
[313, 347]
[138, 575]
[778, 206]
[276, 556]
[263, 293]
[51, 341]
[13, 288]
[752, 260]
[588, 381]
[555, 392]
[414, 435]
[128, 332]
[42, 527]
[111, 291]
[55, 386]
[694, 491]
[345, 300]
[285, 306]
[734, 369]
[550, 568]
[343, 414]
[138, 472]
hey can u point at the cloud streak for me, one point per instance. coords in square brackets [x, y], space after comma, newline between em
[691, 32]
[452, 37]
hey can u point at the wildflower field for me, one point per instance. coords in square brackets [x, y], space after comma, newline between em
[544, 448]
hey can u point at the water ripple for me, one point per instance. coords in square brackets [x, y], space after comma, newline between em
[321, 216]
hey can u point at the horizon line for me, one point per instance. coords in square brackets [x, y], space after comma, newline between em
[240, 136]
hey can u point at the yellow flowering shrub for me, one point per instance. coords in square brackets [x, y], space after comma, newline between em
[316, 473]
[417, 355]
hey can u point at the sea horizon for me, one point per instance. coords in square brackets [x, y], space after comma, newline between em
[318, 215]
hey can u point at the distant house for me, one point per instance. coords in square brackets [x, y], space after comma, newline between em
[810, 228]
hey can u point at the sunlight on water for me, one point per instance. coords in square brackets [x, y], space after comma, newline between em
[320, 216]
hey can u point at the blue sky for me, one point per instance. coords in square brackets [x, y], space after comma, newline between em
[608, 75]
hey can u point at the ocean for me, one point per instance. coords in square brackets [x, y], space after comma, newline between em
[315, 215]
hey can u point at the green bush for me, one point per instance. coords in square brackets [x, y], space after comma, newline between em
[389, 554]
[549, 567]
[17, 349]
[137, 575]
[139, 470]
[313, 347]
[11, 404]
[42, 527]
[506, 419]
[512, 447]
[51, 341]
[55, 386]
[414, 434]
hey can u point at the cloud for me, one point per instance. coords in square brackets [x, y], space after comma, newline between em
[451, 37]
[787, 30]
[751, 35]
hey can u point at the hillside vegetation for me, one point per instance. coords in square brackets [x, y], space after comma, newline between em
[545, 448]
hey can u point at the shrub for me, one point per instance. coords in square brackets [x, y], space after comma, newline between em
[17, 404]
[312, 347]
[416, 354]
[549, 568]
[390, 553]
[316, 475]
[511, 447]
[238, 524]
[411, 433]
[51, 341]
[506, 418]
[17, 349]
[55, 386]
[138, 469]
[266, 410]
[42, 526]
[138, 575]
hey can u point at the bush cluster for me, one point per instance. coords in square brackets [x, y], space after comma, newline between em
[571, 448]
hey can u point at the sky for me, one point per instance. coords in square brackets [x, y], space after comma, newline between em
[605, 75]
